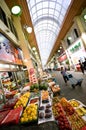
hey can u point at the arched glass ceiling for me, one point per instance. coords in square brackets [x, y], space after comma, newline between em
[47, 17]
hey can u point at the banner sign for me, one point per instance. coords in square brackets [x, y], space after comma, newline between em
[8, 52]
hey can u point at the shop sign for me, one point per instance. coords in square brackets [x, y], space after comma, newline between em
[8, 52]
[75, 47]
[62, 58]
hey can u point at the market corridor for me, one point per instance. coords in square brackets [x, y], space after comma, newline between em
[78, 93]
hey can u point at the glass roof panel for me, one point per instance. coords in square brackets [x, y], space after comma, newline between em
[47, 17]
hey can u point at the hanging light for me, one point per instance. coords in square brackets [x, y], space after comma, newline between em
[69, 38]
[58, 50]
[33, 48]
[16, 10]
[29, 29]
[35, 53]
[85, 16]
[60, 47]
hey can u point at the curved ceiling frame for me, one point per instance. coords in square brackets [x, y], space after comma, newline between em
[51, 7]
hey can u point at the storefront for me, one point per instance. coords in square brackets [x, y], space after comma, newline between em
[63, 60]
[76, 52]
[13, 73]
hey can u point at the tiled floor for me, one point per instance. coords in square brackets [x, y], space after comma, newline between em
[67, 91]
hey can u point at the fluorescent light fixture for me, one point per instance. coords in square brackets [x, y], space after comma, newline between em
[60, 47]
[69, 38]
[29, 29]
[35, 53]
[58, 50]
[85, 16]
[16, 10]
[25, 60]
[33, 48]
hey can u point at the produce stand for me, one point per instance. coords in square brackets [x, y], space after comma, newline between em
[41, 109]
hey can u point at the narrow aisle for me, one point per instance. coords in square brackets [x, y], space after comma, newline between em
[67, 91]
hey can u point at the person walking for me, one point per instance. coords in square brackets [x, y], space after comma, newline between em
[63, 72]
[81, 66]
[85, 64]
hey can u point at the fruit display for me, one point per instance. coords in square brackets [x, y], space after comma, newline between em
[23, 100]
[43, 86]
[30, 114]
[3, 114]
[13, 116]
[41, 108]
[41, 115]
[83, 108]
[76, 121]
[55, 89]
[67, 106]
[34, 87]
[54, 109]
[48, 106]
[48, 115]
[81, 111]
[74, 103]
[45, 108]
[44, 95]
[55, 100]
[34, 100]
[62, 119]
[10, 103]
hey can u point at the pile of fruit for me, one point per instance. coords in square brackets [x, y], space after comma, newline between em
[29, 114]
[74, 103]
[55, 100]
[67, 106]
[64, 113]
[54, 109]
[81, 111]
[44, 95]
[43, 86]
[62, 119]
[34, 87]
[54, 106]
[76, 121]
[23, 100]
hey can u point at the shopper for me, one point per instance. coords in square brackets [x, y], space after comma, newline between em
[85, 64]
[63, 72]
[81, 66]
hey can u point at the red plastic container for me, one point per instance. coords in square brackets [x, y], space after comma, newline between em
[3, 114]
[84, 128]
[13, 116]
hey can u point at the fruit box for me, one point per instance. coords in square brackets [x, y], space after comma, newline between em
[34, 121]
[13, 116]
[3, 114]
[10, 104]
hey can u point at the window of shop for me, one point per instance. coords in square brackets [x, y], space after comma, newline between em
[76, 33]
[12, 28]
[83, 20]
[72, 35]
[68, 42]
[3, 16]
[8, 22]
